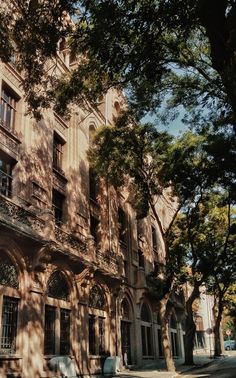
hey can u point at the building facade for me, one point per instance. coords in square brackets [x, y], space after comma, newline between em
[73, 258]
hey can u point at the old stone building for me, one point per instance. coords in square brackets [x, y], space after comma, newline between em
[73, 257]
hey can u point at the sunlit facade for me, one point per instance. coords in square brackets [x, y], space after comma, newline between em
[73, 257]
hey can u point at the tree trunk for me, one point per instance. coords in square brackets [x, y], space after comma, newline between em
[190, 326]
[165, 335]
[218, 347]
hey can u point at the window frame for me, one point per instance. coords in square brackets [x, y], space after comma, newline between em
[58, 153]
[13, 293]
[9, 100]
[58, 305]
[58, 211]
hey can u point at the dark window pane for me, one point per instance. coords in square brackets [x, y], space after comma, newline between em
[145, 313]
[57, 152]
[144, 345]
[8, 272]
[154, 239]
[96, 298]
[140, 259]
[94, 228]
[9, 325]
[149, 341]
[49, 330]
[64, 332]
[5, 177]
[122, 226]
[93, 185]
[57, 205]
[92, 335]
[57, 286]
[8, 109]
[101, 335]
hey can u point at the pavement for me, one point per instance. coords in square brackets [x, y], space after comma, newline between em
[157, 369]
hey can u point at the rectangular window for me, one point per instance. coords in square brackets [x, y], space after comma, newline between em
[92, 335]
[57, 152]
[154, 239]
[57, 205]
[9, 325]
[122, 226]
[93, 185]
[6, 177]
[49, 330]
[8, 109]
[101, 336]
[94, 228]
[64, 332]
[141, 259]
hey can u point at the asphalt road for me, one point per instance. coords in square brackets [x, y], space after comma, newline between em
[222, 368]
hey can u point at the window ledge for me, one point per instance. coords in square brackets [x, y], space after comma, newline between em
[10, 357]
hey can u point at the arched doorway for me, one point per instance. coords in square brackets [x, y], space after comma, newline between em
[146, 332]
[57, 316]
[126, 332]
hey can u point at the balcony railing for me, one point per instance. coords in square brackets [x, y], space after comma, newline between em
[72, 241]
[16, 213]
[108, 261]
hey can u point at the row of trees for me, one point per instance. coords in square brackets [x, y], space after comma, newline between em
[164, 54]
[199, 241]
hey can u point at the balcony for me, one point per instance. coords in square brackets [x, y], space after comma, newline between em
[108, 261]
[13, 214]
[75, 242]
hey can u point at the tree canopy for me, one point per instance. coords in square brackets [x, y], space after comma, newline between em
[184, 50]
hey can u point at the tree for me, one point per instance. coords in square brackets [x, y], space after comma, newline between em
[151, 48]
[149, 163]
[207, 232]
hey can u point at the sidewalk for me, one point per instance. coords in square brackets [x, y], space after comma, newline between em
[157, 369]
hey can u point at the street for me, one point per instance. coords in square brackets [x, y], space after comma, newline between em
[222, 368]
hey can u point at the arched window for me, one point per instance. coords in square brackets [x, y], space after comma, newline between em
[125, 310]
[9, 305]
[126, 333]
[57, 286]
[174, 335]
[96, 298]
[146, 331]
[96, 321]
[145, 313]
[57, 318]
[8, 272]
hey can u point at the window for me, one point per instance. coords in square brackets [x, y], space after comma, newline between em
[146, 334]
[9, 310]
[57, 286]
[57, 318]
[154, 239]
[58, 144]
[6, 166]
[93, 185]
[122, 226]
[8, 108]
[140, 259]
[97, 322]
[9, 325]
[94, 228]
[126, 333]
[49, 330]
[92, 335]
[57, 205]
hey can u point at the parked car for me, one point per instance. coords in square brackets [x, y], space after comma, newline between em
[229, 344]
